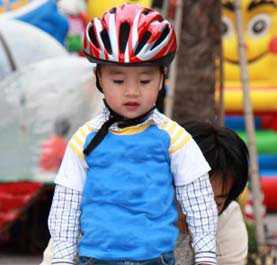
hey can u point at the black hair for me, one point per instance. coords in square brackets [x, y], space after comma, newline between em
[225, 151]
[61, 126]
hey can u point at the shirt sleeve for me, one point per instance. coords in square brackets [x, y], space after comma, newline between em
[63, 223]
[73, 171]
[188, 162]
[47, 254]
[64, 215]
[197, 202]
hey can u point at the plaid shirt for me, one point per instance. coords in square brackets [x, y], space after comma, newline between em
[195, 198]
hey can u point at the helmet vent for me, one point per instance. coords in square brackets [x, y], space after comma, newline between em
[123, 36]
[144, 39]
[106, 40]
[162, 37]
[92, 36]
[146, 11]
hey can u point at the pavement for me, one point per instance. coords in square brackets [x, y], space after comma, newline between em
[20, 260]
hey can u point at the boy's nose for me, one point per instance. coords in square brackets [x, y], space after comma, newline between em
[132, 89]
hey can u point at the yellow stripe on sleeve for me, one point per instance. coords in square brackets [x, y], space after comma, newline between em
[170, 127]
[83, 131]
[76, 149]
[78, 140]
[179, 143]
[178, 135]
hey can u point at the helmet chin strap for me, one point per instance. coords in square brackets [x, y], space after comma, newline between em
[114, 118]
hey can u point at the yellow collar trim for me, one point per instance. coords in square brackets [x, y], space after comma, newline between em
[132, 129]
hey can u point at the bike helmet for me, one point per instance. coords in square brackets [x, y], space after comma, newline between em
[130, 34]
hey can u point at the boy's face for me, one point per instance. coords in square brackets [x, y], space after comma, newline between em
[221, 189]
[130, 91]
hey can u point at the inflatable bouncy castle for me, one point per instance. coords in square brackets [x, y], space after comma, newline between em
[41, 105]
[16, 49]
[43, 14]
[260, 35]
[11, 5]
[96, 8]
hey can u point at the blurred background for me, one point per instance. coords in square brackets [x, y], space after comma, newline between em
[47, 90]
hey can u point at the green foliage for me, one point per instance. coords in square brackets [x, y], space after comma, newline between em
[254, 257]
[252, 242]
[74, 43]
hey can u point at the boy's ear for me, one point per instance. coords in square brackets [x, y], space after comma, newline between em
[98, 79]
[162, 82]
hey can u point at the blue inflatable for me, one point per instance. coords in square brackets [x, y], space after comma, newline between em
[236, 122]
[268, 162]
[44, 15]
[269, 174]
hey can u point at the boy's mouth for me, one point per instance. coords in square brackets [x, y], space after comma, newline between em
[131, 106]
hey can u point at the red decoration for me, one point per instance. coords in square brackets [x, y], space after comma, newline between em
[14, 197]
[273, 45]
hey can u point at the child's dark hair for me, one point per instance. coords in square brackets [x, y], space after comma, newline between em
[225, 151]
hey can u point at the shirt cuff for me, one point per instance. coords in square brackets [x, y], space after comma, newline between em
[61, 262]
[205, 258]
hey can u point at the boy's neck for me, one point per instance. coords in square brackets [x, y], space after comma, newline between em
[124, 122]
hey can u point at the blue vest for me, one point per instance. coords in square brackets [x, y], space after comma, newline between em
[128, 208]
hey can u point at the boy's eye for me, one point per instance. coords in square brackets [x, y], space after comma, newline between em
[144, 82]
[118, 81]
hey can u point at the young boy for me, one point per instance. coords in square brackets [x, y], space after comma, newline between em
[227, 155]
[115, 187]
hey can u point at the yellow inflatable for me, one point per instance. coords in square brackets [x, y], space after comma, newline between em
[260, 35]
[96, 8]
[244, 197]
[263, 100]
[10, 5]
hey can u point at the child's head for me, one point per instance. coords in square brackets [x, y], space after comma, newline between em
[137, 37]
[227, 155]
[130, 91]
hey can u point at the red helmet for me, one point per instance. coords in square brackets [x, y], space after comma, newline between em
[130, 34]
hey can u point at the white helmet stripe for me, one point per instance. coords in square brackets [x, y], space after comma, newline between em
[88, 37]
[126, 55]
[99, 28]
[142, 52]
[147, 54]
[135, 32]
[111, 58]
[113, 37]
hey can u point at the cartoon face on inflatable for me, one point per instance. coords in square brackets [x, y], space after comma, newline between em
[96, 8]
[260, 35]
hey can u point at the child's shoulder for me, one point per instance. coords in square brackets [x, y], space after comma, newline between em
[169, 125]
[79, 138]
[179, 137]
